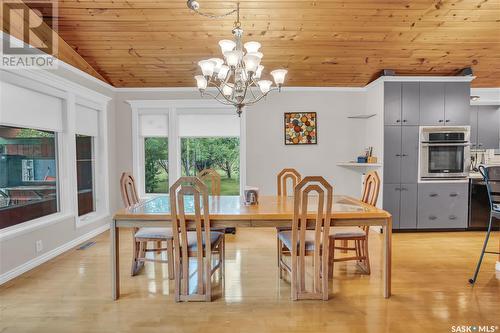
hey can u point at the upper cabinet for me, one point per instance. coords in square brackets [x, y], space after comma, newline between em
[431, 103]
[444, 103]
[485, 127]
[457, 103]
[401, 103]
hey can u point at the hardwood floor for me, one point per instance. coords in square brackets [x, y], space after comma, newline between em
[430, 291]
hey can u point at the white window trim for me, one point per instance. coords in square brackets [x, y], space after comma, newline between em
[70, 93]
[174, 108]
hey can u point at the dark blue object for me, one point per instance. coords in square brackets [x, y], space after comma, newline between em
[491, 177]
[361, 159]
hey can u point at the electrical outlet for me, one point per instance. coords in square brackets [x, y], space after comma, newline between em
[39, 246]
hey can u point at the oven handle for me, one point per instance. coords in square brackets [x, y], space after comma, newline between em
[445, 144]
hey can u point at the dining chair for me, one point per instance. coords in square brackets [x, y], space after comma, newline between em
[309, 236]
[141, 236]
[282, 181]
[194, 240]
[210, 176]
[359, 235]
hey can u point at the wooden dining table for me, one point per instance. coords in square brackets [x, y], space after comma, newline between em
[231, 212]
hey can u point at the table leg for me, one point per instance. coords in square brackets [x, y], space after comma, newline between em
[115, 261]
[388, 257]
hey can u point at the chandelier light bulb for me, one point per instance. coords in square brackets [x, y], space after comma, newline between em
[223, 72]
[201, 82]
[227, 89]
[257, 54]
[207, 67]
[265, 86]
[233, 57]
[218, 64]
[226, 45]
[252, 47]
[251, 62]
[258, 72]
[279, 76]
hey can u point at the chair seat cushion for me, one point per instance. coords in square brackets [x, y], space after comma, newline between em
[286, 238]
[156, 233]
[215, 236]
[346, 232]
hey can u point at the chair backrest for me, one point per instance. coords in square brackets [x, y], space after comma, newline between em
[128, 190]
[282, 178]
[491, 176]
[371, 188]
[320, 225]
[213, 177]
[191, 188]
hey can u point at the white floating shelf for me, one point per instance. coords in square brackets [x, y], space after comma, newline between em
[362, 116]
[354, 164]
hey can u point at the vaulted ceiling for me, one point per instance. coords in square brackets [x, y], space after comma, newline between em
[157, 43]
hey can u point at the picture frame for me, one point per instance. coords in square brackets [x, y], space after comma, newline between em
[300, 128]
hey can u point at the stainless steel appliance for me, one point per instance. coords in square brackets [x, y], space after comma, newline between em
[444, 152]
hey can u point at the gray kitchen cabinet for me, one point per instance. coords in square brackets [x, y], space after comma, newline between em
[432, 103]
[402, 103]
[457, 103]
[392, 197]
[409, 154]
[410, 103]
[408, 206]
[473, 127]
[442, 205]
[486, 134]
[392, 154]
[392, 103]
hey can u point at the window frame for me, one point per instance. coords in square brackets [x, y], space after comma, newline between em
[174, 108]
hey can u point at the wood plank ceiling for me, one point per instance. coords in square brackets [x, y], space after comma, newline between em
[157, 43]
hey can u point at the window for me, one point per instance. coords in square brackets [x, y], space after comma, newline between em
[219, 153]
[28, 175]
[156, 165]
[85, 164]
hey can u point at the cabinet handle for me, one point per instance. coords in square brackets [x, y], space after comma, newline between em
[452, 217]
[453, 194]
[480, 145]
[432, 217]
[404, 155]
[441, 120]
[397, 189]
[398, 155]
[432, 195]
[447, 120]
[404, 189]
[404, 120]
[398, 121]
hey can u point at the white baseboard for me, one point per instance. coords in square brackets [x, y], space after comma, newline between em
[51, 254]
[497, 266]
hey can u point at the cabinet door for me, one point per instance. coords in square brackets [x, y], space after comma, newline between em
[431, 103]
[409, 154]
[392, 194]
[392, 103]
[410, 103]
[442, 205]
[473, 126]
[408, 207]
[457, 103]
[488, 127]
[392, 154]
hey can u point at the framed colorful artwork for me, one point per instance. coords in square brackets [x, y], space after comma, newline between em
[301, 128]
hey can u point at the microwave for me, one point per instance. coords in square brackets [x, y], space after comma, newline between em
[444, 152]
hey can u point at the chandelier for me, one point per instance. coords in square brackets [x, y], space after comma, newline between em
[236, 77]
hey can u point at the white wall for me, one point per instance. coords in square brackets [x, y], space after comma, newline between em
[17, 247]
[339, 138]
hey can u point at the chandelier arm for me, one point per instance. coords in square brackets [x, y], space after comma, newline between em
[217, 99]
[222, 94]
[261, 97]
